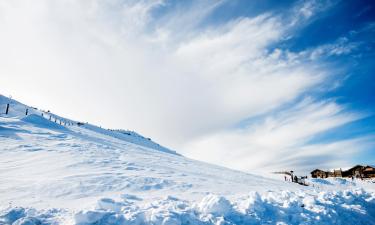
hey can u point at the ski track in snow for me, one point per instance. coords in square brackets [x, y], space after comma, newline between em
[54, 174]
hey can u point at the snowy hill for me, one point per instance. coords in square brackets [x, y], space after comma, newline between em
[50, 120]
[52, 173]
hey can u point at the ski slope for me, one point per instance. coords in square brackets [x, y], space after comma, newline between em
[56, 174]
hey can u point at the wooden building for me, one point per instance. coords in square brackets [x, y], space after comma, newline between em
[355, 171]
[360, 171]
[369, 171]
[317, 173]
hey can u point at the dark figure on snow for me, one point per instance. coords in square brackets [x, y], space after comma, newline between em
[291, 175]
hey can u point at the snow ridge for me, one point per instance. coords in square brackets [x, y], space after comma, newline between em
[41, 118]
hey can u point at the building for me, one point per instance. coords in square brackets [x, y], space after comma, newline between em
[357, 171]
[317, 173]
[360, 171]
[369, 171]
[337, 173]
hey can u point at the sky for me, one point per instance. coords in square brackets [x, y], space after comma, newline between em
[251, 85]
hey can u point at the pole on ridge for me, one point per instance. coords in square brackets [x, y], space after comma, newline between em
[7, 110]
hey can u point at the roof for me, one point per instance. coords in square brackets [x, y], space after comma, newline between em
[356, 166]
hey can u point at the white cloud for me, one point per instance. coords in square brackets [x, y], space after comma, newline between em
[113, 63]
[332, 155]
[307, 11]
[281, 141]
[342, 46]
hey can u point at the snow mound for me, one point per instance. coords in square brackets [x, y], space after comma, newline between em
[216, 205]
[341, 207]
[30, 216]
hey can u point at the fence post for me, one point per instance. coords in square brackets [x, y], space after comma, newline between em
[50, 117]
[27, 111]
[55, 120]
[7, 110]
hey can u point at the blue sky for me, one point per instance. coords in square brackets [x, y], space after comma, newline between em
[246, 84]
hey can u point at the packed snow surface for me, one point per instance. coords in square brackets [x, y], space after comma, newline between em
[70, 174]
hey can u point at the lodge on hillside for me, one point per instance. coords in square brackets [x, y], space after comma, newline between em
[357, 171]
[317, 173]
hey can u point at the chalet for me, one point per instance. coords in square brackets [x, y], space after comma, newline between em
[359, 171]
[317, 173]
[355, 171]
[369, 171]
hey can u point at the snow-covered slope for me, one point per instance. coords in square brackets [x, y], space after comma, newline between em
[18, 110]
[70, 174]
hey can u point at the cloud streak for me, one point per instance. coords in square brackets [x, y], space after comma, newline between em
[281, 141]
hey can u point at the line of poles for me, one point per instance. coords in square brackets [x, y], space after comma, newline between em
[50, 118]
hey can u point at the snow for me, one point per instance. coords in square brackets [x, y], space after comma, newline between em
[129, 136]
[55, 174]
[215, 205]
[342, 207]
[42, 122]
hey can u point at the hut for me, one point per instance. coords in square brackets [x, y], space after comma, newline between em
[337, 173]
[317, 173]
[368, 171]
[360, 171]
[355, 171]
